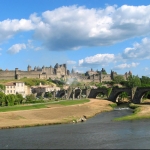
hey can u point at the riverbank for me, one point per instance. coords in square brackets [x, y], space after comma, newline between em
[141, 111]
[54, 114]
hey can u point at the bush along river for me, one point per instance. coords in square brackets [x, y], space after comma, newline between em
[98, 132]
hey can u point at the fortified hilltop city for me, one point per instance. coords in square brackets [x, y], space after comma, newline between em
[60, 72]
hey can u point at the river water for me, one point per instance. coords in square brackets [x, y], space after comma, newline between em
[99, 132]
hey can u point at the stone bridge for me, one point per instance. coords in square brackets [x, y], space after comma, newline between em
[78, 93]
[135, 94]
[139, 93]
[94, 92]
[116, 91]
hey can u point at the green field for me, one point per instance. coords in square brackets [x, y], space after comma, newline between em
[43, 105]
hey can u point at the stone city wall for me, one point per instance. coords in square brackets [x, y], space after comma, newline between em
[7, 74]
[28, 72]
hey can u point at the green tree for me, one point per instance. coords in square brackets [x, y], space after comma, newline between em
[30, 98]
[145, 81]
[118, 79]
[103, 71]
[123, 95]
[133, 81]
[18, 100]
[2, 99]
[10, 99]
[2, 88]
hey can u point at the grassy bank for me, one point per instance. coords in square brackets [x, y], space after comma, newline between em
[43, 105]
[113, 105]
[139, 112]
[59, 112]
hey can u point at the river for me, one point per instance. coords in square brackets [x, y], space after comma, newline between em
[99, 132]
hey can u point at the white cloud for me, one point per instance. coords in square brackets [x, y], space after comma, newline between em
[34, 18]
[125, 66]
[71, 62]
[67, 28]
[73, 27]
[16, 48]
[138, 51]
[98, 59]
[9, 28]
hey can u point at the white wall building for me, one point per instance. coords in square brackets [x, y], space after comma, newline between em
[17, 87]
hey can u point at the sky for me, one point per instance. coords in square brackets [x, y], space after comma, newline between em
[84, 34]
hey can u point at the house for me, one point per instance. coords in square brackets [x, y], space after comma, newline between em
[17, 88]
[44, 88]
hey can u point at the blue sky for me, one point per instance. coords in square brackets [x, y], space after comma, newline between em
[84, 34]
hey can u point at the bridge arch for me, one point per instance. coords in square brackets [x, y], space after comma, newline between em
[118, 96]
[95, 92]
[117, 91]
[140, 92]
[61, 93]
[78, 93]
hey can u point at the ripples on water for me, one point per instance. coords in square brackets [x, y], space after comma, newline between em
[121, 108]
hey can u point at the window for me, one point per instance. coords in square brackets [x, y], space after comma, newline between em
[7, 91]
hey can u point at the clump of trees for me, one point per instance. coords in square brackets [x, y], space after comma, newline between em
[2, 88]
[10, 100]
[145, 81]
[132, 81]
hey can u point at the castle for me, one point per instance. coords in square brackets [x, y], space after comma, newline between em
[97, 76]
[60, 71]
[43, 73]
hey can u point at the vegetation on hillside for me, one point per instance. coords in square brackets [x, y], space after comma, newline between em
[33, 82]
[43, 105]
[30, 81]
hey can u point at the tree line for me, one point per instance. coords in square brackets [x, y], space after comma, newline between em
[132, 81]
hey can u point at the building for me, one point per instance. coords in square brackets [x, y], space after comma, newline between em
[17, 88]
[44, 88]
[59, 71]
[97, 76]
